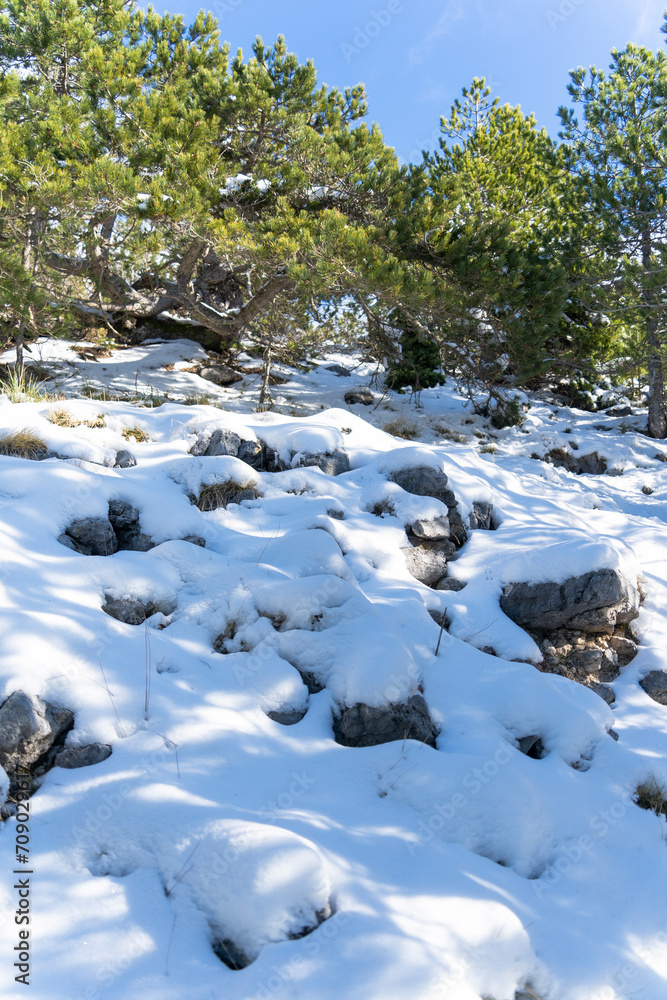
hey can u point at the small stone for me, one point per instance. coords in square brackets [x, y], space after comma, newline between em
[130, 610]
[619, 411]
[366, 726]
[221, 442]
[125, 460]
[338, 370]
[589, 660]
[605, 692]
[480, 518]
[660, 456]
[332, 463]
[71, 757]
[195, 540]
[28, 729]
[435, 529]
[363, 396]
[448, 583]
[338, 515]
[655, 685]
[647, 491]
[289, 717]
[532, 746]
[428, 565]
[625, 648]
[221, 375]
[92, 536]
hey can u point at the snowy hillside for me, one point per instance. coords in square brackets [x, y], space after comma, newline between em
[269, 808]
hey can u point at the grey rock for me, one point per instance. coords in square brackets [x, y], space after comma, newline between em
[363, 396]
[71, 757]
[221, 442]
[449, 584]
[195, 540]
[230, 954]
[532, 746]
[338, 515]
[605, 692]
[271, 460]
[428, 564]
[588, 660]
[221, 375]
[593, 603]
[620, 411]
[288, 718]
[28, 729]
[625, 648]
[311, 681]
[613, 734]
[124, 519]
[125, 460]
[333, 463]
[130, 610]
[250, 452]
[591, 464]
[655, 685]
[647, 491]
[364, 726]
[480, 518]
[92, 536]
[423, 481]
[436, 529]
[338, 370]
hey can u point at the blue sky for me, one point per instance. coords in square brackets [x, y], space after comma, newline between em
[415, 55]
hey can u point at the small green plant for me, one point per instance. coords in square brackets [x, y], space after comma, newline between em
[652, 796]
[23, 444]
[221, 494]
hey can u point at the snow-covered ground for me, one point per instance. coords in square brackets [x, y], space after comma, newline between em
[470, 871]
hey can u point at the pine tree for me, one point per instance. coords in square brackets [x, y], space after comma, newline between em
[148, 175]
[619, 152]
[484, 223]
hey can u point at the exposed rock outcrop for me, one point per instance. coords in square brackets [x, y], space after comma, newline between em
[365, 726]
[595, 602]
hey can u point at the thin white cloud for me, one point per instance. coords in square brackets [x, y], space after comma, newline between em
[453, 12]
[648, 22]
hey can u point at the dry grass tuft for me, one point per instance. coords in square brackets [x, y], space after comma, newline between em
[652, 796]
[97, 423]
[23, 444]
[402, 428]
[62, 418]
[136, 433]
[221, 494]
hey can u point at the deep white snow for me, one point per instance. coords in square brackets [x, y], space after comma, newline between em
[466, 872]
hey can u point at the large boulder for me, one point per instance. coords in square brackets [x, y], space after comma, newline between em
[424, 481]
[364, 726]
[29, 727]
[593, 603]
